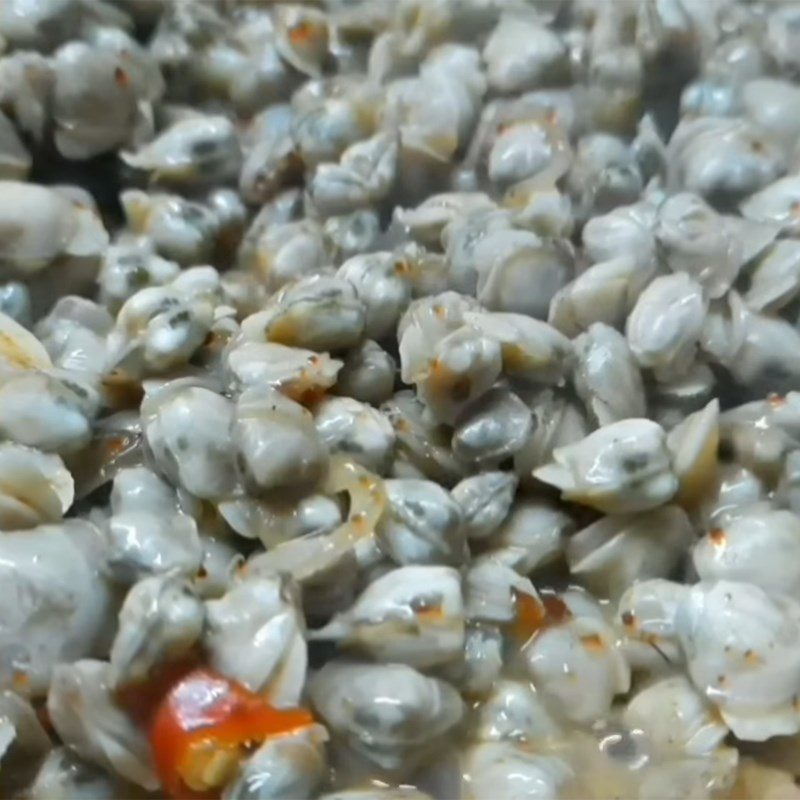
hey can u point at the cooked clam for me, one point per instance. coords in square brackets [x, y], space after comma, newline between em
[431, 363]
[81, 705]
[161, 619]
[740, 649]
[411, 615]
[196, 151]
[254, 634]
[390, 713]
[422, 524]
[621, 467]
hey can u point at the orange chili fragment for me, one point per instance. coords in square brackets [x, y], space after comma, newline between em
[205, 725]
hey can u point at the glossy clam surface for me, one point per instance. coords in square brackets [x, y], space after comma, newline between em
[400, 399]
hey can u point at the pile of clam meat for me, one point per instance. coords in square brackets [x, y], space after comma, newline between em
[400, 399]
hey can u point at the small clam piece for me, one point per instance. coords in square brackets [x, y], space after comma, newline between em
[522, 54]
[254, 634]
[775, 280]
[39, 24]
[389, 713]
[130, 265]
[578, 668]
[513, 711]
[531, 536]
[302, 375]
[545, 210]
[15, 160]
[431, 113]
[741, 648]
[41, 411]
[423, 445]
[762, 431]
[422, 524]
[276, 443]
[509, 262]
[292, 765]
[776, 204]
[709, 247]
[519, 152]
[283, 252]
[485, 501]
[765, 360]
[772, 104]
[427, 222]
[492, 429]
[627, 230]
[694, 443]
[495, 593]
[733, 489]
[273, 161]
[381, 285]
[463, 366]
[614, 552]
[101, 97]
[65, 776]
[196, 151]
[158, 329]
[531, 350]
[675, 718]
[352, 234]
[147, 533]
[321, 313]
[604, 174]
[15, 302]
[411, 615]
[507, 771]
[666, 323]
[646, 614]
[482, 664]
[715, 157]
[759, 546]
[187, 429]
[787, 494]
[427, 321]
[161, 620]
[83, 712]
[620, 468]
[329, 124]
[325, 569]
[607, 377]
[41, 225]
[367, 374]
[683, 394]
[557, 421]
[181, 230]
[26, 84]
[356, 430]
[35, 488]
[604, 293]
[274, 521]
[781, 37]
[365, 174]
[302, 37]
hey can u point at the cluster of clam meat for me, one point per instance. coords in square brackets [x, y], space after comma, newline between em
[400, 400]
